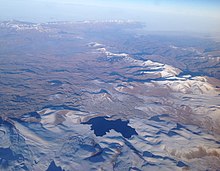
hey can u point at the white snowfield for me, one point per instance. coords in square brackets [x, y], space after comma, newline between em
[172, 114]
[160, 143]
[25, 26]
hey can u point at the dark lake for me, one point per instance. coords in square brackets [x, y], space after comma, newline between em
[101, 126]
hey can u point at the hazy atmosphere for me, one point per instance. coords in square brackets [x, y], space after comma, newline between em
[159, 15]
[109, 85]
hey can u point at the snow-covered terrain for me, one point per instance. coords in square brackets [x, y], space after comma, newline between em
[87, 97]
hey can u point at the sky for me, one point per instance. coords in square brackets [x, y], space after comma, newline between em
[158, 15]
